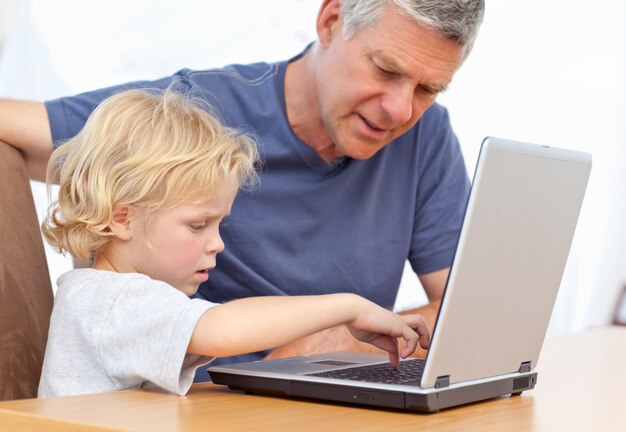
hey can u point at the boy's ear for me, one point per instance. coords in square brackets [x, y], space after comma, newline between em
[120, 222]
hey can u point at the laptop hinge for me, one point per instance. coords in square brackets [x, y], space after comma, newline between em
[524, 367]
[442, 381]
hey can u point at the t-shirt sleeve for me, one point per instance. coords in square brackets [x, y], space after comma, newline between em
[443, 188]
[146, 335]
[67, 115]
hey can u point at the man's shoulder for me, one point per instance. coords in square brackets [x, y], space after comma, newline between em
[246, 74]
[239, 92]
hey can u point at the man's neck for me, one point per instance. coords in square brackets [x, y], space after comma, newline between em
[303, 110]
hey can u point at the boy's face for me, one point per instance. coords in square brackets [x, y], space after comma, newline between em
[179, 245]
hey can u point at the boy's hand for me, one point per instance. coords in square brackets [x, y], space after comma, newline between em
[382, 328]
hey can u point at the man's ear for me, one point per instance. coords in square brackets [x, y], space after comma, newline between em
[328, 22]
[120, 222]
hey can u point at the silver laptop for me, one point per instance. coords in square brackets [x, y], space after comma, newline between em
[516, 236]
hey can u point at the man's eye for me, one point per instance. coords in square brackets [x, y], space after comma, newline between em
[429, 90]
[385, 72]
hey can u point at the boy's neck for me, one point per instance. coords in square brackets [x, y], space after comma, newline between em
[104, 261]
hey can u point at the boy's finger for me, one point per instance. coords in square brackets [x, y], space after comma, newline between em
[417, 323]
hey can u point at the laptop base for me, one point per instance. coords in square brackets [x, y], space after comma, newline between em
[414, 401]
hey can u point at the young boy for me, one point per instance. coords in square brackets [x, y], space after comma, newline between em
[144, 188]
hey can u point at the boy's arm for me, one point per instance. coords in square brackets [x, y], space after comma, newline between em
[25, 125]
[259, 323]
[339, 339]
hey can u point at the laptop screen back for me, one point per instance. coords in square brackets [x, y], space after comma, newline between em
[513, 247]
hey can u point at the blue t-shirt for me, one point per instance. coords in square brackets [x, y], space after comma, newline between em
[313, 227]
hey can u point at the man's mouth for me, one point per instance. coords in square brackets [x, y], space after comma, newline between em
[372, 125]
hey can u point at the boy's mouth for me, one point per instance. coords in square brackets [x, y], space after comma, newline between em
[203, 274]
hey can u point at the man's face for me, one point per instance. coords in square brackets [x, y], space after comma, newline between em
[375, 86]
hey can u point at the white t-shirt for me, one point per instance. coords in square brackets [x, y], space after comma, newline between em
[116, 331]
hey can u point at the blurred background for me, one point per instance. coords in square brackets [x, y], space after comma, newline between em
[544, 72]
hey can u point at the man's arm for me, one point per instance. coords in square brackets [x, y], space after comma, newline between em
[25, 125]
[433, 283]
[339, 338]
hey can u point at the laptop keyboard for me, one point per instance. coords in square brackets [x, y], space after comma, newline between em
[408, 372]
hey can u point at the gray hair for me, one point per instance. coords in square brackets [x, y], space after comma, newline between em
[457, 20]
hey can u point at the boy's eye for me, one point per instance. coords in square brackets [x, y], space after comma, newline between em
[197, 227]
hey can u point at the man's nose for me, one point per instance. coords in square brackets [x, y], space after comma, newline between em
[398, 104]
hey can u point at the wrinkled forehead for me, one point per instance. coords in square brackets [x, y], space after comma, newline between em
[409, 46]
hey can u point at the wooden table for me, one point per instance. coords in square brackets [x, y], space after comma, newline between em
[581, 387]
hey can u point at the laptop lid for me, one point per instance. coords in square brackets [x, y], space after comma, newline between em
[519, 225]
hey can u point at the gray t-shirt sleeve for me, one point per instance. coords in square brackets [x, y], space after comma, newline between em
[145, 337]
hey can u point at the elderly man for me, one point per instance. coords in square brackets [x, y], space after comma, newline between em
[361, 168]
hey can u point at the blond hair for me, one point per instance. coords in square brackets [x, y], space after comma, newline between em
[147, 149]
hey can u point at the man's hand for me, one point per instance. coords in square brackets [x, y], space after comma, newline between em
[339, 339]
[329, 340]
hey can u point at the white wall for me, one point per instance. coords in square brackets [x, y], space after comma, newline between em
[542, 71]
[553, 72]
